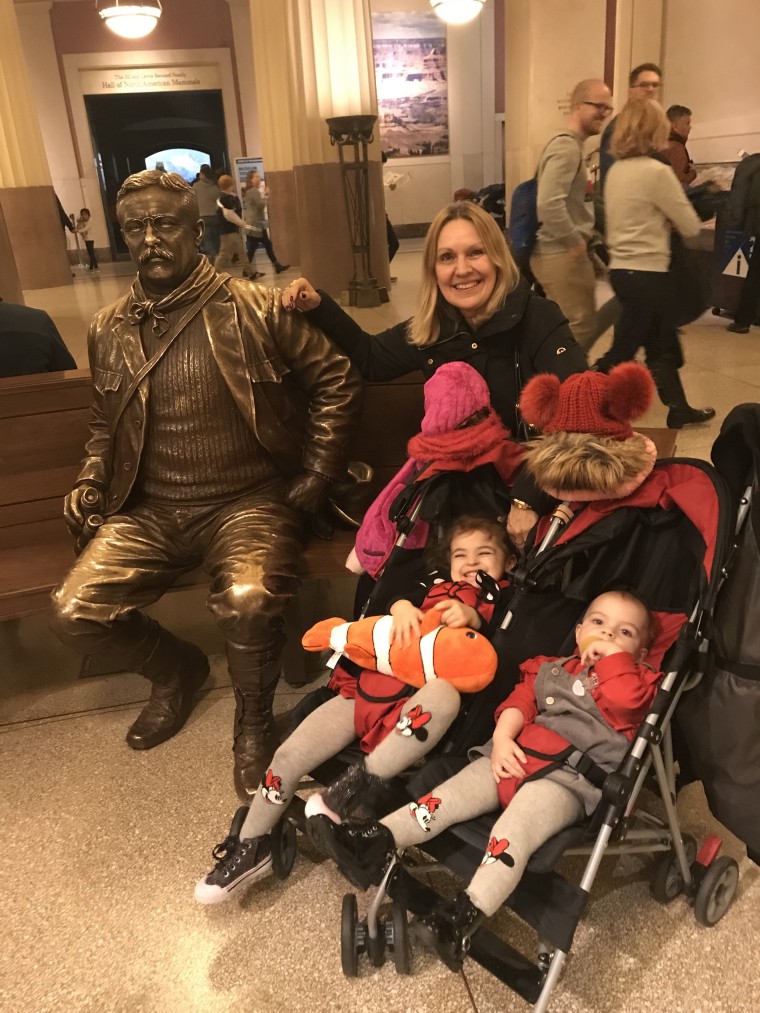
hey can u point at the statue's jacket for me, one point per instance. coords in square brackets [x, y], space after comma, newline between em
[297, 392]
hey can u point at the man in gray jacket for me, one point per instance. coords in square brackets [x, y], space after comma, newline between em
[560, 260]
[207, 191]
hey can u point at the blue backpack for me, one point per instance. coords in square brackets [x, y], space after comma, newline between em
[523, 221]
[523, 216]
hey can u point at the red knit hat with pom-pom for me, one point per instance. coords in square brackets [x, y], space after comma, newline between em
[590, 402]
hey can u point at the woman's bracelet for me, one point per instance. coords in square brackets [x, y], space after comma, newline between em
[521, 504]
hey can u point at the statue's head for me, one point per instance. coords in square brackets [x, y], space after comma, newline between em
[161, 225]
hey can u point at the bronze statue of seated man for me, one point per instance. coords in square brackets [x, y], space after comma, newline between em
[218, 422]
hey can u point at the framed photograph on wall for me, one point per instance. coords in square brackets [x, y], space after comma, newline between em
[412, 90]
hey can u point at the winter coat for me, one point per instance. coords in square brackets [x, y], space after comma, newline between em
[207, 193]
[299, 397]
[528, 335]
[743, 207]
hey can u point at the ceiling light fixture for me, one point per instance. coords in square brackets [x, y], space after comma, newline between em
[457, 12]
[130, 20]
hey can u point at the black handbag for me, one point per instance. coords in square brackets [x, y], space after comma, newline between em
[690, 288]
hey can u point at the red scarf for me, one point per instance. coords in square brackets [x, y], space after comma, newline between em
[487, 442]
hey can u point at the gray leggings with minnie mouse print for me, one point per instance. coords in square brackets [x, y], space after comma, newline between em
[329, 729]
[538, 811]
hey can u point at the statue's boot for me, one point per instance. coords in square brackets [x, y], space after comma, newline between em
[254, 679]
[177, 670]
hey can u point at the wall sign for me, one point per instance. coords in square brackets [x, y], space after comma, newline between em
[116, 80]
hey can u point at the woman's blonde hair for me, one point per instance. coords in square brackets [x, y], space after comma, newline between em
[425, 327]
[641, 127]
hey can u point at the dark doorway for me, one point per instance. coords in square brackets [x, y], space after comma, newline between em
[127, 129]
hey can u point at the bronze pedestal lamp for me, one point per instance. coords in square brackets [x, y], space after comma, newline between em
[352, 134]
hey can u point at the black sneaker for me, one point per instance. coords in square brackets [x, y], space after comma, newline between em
[238, 865]
[362, 849]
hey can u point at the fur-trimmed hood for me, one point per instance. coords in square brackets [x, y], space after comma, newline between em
[588, 449]
[584, 467]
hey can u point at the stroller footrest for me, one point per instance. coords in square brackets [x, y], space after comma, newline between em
[507, 964]
[552, 851]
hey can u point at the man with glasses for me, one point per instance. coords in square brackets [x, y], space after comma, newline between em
[218, 423]
[644, 82]
[561, 261]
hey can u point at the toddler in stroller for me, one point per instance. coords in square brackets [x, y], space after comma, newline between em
[462, 426]
[667, 537]
[396, 726]
[596, 698]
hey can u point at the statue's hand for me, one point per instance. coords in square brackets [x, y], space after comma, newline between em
[84, 499]
[307, 492]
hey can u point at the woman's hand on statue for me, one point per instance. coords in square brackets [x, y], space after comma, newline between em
[307, 492]
[520, 523]
[300, 295]
[406, 622]
[507, 759]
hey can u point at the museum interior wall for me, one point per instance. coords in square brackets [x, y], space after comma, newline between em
[539, 50]
[711, 65]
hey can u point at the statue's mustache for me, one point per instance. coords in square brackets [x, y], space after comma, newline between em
[155, 255]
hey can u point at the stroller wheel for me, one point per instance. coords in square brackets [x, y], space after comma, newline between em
[402, 954]
[284, 848]
[716, 891]
[238, 820]
[350, 931]
[667, 882]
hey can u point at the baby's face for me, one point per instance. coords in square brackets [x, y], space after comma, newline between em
[473, 551]
[619, 620]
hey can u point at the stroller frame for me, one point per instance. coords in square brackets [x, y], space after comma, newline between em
[707, 881]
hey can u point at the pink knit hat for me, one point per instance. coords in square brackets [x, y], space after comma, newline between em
[452, 394]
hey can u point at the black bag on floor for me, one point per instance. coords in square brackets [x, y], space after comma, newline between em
[690, 285]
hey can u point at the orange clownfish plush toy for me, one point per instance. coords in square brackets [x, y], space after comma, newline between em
[459, 656]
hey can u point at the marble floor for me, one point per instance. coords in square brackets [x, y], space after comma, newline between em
[101, 845]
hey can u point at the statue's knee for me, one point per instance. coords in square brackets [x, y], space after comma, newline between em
[246, 608]
[65, 613]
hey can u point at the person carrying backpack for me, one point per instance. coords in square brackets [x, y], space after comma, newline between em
[560, 260]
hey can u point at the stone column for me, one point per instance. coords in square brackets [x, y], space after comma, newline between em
[638, 39]
[27, 199]
[240, 15]
[313, 59]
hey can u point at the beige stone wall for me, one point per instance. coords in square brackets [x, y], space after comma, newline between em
[711, 64]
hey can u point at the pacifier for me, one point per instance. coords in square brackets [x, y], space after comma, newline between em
[587, 642]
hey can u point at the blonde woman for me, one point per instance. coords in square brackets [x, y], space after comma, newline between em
[472, 307]
[644, 202]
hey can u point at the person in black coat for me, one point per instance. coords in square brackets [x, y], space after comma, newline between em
[747, 217]
[472, 307]
[30, 342]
